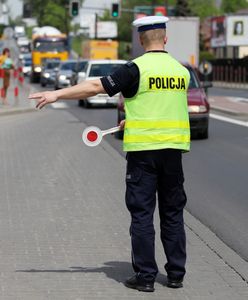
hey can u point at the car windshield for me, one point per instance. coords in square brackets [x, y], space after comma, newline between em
[81, 65]
[97, 70]
[52, 65]
[68, 66]
[27, 62]
[193, 83]
[50, 46]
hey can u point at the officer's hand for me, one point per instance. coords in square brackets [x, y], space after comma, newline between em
[44, 98]
[122, 124]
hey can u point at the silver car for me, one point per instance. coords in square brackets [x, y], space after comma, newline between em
[96, 69]
[64, 74]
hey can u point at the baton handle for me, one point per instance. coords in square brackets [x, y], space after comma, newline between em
[111, 130]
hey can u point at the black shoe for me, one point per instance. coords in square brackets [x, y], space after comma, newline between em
[137, 284]
[174, 284]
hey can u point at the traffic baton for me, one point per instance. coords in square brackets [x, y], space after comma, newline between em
[92, 135]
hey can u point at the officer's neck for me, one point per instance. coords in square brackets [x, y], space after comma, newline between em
[154, 48]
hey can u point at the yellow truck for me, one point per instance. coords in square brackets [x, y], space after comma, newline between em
[47, 43]
[100, 49]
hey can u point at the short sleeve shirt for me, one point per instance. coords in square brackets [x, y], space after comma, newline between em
[124, 80]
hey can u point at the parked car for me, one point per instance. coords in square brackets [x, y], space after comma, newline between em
[96, 69]
[22, 41]
[48, 72]
[198, 107]
[63, 76]
[78, 71]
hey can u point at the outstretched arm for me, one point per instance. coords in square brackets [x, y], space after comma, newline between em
[82, 90]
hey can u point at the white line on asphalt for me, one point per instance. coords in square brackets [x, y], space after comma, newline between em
[59, 105]
[229, 120]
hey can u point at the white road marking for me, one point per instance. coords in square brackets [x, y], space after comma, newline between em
[229, 120]
[61, 105]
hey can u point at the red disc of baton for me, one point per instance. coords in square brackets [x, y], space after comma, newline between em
[92, 136]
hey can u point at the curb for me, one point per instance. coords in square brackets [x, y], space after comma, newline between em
[215, 244]
[230, 85]
[13, 111]
[227, 111]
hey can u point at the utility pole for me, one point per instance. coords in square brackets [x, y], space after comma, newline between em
[166, 5]
[96, 19]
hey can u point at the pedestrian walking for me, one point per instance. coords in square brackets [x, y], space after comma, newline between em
[156, 132]
[6, 65]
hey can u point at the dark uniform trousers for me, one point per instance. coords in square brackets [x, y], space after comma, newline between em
[148, 173]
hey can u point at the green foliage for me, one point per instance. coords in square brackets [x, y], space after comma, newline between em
[53, 13]
[126, 19]
[203, 8]
[182, 8]
[124, 51]
[233, 5]
[77, 45]
[205, 55]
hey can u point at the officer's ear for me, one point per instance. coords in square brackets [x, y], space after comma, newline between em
[141, 40]
[165, 39]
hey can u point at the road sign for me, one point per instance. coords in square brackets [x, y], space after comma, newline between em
[205, 67]
[92, 135]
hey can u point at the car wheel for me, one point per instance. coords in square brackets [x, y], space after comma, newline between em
[203, 134]
[81, 102]
[87, 104]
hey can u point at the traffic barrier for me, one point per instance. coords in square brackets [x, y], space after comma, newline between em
[2, 92]
[18, 78]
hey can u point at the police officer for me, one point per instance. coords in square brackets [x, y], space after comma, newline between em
[156, 133]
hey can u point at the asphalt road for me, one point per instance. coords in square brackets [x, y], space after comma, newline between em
[215, 172]
[227, 92]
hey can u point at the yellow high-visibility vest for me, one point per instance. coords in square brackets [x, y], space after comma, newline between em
[157, 116]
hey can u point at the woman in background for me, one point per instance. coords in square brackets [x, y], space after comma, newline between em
[6, 66]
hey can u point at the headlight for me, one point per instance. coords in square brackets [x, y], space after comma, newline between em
[62, 77]
[37, 69]
[46, 75]
[197, 109]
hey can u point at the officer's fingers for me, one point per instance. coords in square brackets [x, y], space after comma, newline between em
[122, 124]
[42, 102]
[35, 96]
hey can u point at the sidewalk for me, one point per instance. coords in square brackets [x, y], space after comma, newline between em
[20, 103]
[234, 106]
[64, 225]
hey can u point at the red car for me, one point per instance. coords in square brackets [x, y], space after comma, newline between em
[198, 107]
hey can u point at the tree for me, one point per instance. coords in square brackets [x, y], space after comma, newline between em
[182, 8]
[203, 8]
[233, 5]
[53, 13]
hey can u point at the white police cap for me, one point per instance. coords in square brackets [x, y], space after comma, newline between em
[150, 22]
